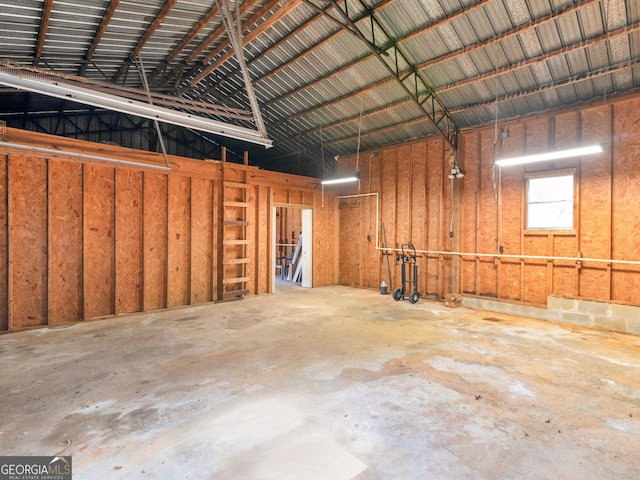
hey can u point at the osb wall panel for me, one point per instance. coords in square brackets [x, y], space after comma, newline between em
[84, 240]
[388, 209]
[435, 219]
[488, 218]
[129, 263]
[99, 240]
[251, 231]
[418, 197]
[4, 243]
[179, 259]
[510, 220]
[403, 196]
[201, 241]
[625, 280]
[469, 210]
[262, 252]
[28, 209]
[534, 287]
[326, 240]
[65, 241]
[349, 243]
[595, 203]
[415, 207]
[155, 224]
[373, 273]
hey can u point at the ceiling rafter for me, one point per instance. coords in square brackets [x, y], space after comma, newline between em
[47, 6]
[97, 37]
[255, 18]
[439, 60]
[561, 83]
[153, 26]
[379, 6]
[420, 91]
[461, 51]
[565, 50]
[273, 46]
[193, 33]
[625, 30]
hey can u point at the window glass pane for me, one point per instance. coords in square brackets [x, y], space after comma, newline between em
[550, 203]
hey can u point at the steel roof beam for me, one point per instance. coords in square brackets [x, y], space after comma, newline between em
[421, 93]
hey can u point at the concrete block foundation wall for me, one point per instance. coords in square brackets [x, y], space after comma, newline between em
[584, 313]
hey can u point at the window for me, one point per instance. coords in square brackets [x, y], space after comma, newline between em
[550, 201]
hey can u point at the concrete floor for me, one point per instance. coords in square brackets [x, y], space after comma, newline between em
[329, 383]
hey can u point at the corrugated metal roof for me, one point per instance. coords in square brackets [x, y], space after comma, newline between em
[317, 79]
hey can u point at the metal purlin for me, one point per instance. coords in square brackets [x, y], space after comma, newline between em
[387, 47]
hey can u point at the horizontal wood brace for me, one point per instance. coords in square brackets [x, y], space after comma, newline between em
[237, 204]
[227, 281]
[236, 223]
[235, 185]
[235, 293]
[235, 261]
[235, 242]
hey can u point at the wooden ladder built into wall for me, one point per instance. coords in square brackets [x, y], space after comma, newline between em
[233, 276]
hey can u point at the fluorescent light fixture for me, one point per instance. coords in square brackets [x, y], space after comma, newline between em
[544, 157]
[336, 181]
[132, 107]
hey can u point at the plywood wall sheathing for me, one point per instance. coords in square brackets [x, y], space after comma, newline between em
[156, 237]
[179, 248]
[28, 189]
[493, 210]
[625, 217]
[87, 239]
[99, 241]
[65, 241]
[129, 247]
[202, 224]
[4, 244]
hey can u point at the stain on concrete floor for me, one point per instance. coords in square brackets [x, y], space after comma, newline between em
[330, 383]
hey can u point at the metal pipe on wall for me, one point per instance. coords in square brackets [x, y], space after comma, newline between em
[83, 156]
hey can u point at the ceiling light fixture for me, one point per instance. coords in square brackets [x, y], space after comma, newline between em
[544, 157]
[336, 181]
[455, 172]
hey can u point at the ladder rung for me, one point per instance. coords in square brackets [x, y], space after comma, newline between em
[236, 261]
[236, 223]
[235, 242]
[235, 293]
[235, 185]
[227, 281]
[236, 204]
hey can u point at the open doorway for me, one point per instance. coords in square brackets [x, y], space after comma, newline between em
[292, 247]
